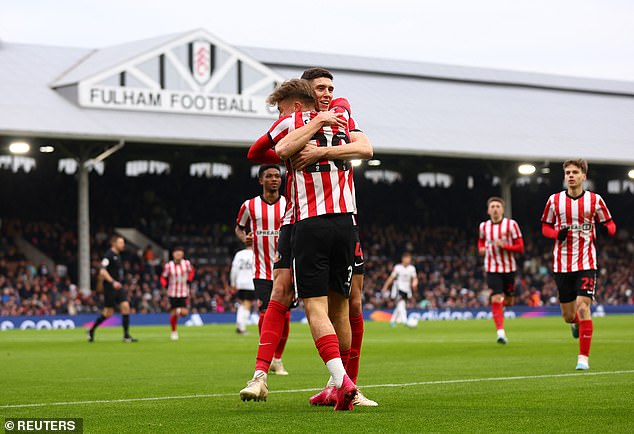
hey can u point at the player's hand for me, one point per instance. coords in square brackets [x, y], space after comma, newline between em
[500, 243]
[248, 240]
[562, 234]
[603, 229]
[331, 118]
[116, 285]
[307, 156]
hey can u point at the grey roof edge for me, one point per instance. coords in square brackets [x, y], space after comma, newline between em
[437, 71]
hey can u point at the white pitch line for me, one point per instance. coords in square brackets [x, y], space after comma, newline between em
[367, 386]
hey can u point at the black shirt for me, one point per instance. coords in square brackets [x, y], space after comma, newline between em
[112, 263]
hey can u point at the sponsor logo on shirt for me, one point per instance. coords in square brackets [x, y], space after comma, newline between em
[267, 232]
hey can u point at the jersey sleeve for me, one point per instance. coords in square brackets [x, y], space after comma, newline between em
[603, 214]
[515, 230]
[243, 216]
[262, 151]
[280, 129]
[549, 213]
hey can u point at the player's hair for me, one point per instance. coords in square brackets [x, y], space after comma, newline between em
[580, 163]
[296, 89]
[263, 168]
[176, 248]
[114, 238]
[313, 73]
[406, 253]
[495, 199]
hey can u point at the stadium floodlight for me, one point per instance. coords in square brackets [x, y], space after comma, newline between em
[19, 147]
[526, 169]
[355, 163]
[374, 162]
[631, 174]
[47, 149]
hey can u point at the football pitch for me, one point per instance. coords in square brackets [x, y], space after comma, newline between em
[444, 376]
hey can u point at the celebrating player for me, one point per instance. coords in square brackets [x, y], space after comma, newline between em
[112, 275]
[176, 276]
[403, 280]
[499, 240]
[572, 217]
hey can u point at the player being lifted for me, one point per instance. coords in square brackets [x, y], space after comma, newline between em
[176, 276]
[263, 215]
[403, 280]
[572, 217]
[321, 82]
[499, 240]
[292, 96]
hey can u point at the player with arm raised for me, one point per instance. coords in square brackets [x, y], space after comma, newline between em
[571, 218]
[499, 240]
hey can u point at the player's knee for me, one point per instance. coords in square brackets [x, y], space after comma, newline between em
[282, 294]
[568, 317]
[184, 312]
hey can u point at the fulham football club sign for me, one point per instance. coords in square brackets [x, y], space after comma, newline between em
[194, 74]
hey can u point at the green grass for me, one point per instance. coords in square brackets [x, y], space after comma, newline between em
[408, 371]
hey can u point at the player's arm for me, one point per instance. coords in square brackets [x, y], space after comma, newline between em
[233, 275]
[549, 231]
[516, 247]
[242, 235]
[607, 228]
[388, 282]
[192, 273]
[295, 140]
[108, 278]
[482, 246]
[359, 148]
[262, 151]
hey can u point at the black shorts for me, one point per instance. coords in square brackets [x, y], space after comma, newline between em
[114, 297]
[359, 267]
[323, 255]
[501, 283]
[283, 254]
[246, 294]
[263, 289]
[577, 283]
[178, 302]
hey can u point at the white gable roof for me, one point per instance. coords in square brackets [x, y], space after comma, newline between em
[404, 107]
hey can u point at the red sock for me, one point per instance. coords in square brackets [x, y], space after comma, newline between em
[328, 347]
[345, 356]
[585, 336]
[287, 326]
[352, 367]
[173, 322]
[260, 321]
[272, 327]
[498, 314]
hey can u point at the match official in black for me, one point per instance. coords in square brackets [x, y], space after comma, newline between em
[112, 274]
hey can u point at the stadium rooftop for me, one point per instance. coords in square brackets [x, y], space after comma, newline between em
[405, 107]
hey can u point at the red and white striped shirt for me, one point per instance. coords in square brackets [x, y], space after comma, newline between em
[176, 276]
[497, 259]
[326, 187]
[265, 220]
[577, 252]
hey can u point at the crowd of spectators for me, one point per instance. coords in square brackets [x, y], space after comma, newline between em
[449, 270]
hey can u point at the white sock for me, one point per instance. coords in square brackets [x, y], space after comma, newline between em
[501, 333]
[582, 359]
[259, 373]
[275, 360]
[403, 311]
[331, 382]
[337, 371]
[242, 317]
